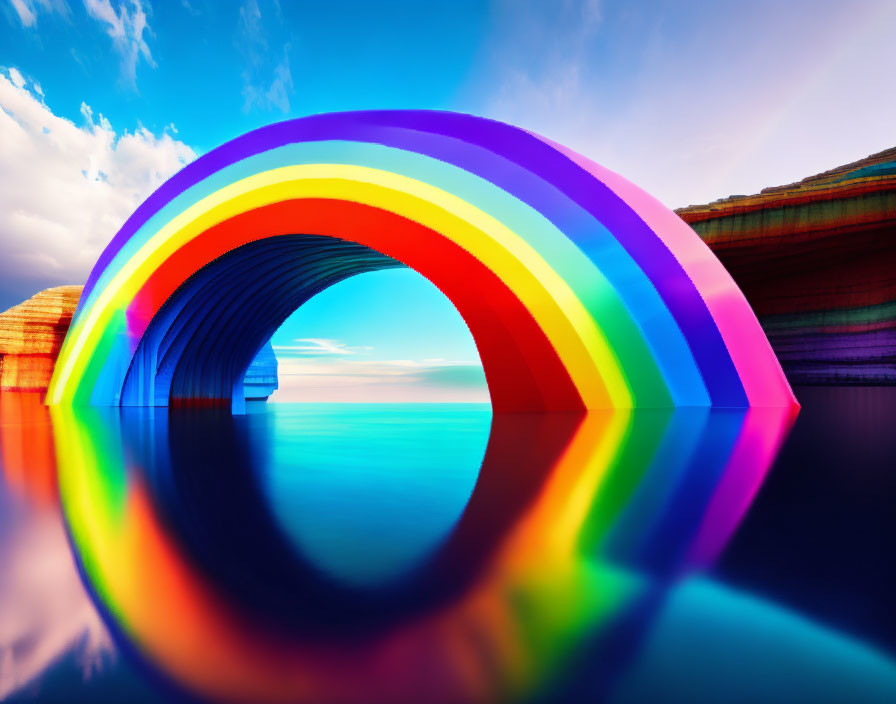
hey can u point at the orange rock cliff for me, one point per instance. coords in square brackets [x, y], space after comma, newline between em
[31, 334]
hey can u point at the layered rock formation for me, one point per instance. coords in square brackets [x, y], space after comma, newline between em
[31, 334]
[817, 261]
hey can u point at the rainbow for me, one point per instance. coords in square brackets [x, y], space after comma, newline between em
[580, 290]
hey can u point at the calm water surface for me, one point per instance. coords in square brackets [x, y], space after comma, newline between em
[440, 553]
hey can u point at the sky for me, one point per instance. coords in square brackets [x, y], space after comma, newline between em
[102, 100]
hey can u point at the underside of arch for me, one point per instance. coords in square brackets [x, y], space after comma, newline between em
[199, 331]
[198, 346]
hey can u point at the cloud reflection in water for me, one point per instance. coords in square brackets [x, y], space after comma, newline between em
[44, 610]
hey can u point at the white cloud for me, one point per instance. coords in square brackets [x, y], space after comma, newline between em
[536, 88]
[344, 379]
[264, 86]
[24, 11]
[316, 346]
[46, 613]
[281, 87]
[189, 8]
[17, 78]
[27, 10]
[250, 20]
[68, 188]
[694, 101]
[126, 27]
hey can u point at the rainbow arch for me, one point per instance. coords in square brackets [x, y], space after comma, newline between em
[580, 290]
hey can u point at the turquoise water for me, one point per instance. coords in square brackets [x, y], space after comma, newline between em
[366, 495]
[443, 553]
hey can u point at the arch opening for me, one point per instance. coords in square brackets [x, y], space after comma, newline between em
[380, 337]
[196, 348]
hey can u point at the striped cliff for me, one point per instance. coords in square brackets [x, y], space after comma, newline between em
[31, 334]
[817, 261]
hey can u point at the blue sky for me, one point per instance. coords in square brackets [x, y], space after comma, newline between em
[101, 100]
[383, 336]
[218, 69]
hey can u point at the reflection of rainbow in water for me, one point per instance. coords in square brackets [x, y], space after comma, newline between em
[27, 461]
[572, 522]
